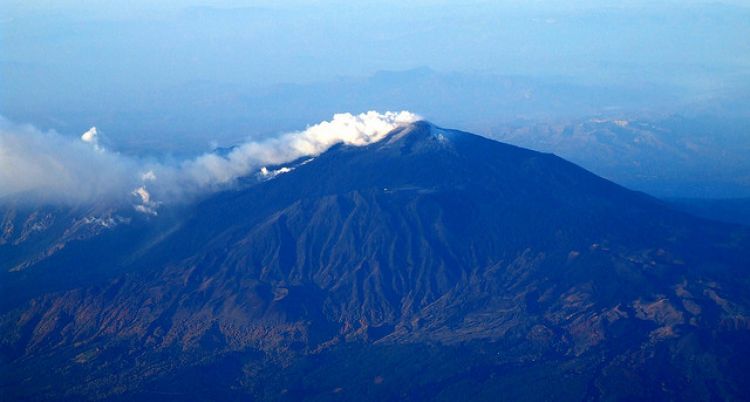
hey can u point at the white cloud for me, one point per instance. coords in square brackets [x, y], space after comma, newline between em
[61, 169]
[90, 136]
[58, 168]
[145, 204]
[148, 176]
[346, 128]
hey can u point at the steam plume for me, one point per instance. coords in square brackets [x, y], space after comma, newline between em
[60, 169]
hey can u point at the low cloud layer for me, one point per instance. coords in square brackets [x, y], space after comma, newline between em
[53, 168]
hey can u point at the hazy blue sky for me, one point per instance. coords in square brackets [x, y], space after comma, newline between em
[183, 76]
[94, 46]
[180, 75]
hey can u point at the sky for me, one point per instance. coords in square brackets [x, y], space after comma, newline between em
[93, 46]
[182, 77]
[61, 53]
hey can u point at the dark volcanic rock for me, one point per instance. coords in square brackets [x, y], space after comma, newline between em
[434, 264]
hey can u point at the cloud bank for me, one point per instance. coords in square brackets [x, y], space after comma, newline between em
[54, 168]
[51, 167]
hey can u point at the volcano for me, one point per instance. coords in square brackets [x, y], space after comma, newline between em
[431, 265]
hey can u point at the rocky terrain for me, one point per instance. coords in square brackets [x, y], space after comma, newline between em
[434, 264]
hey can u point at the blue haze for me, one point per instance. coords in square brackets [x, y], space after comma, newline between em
[183, 77]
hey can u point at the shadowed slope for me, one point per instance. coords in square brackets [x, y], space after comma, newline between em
[430, 235]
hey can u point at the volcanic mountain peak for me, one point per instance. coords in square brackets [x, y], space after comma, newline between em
[429, 236]
[419, 130]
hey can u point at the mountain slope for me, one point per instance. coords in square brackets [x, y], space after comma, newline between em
[732, 210]
[496, 265]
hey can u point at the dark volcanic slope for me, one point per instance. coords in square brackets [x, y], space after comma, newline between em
[433, 264]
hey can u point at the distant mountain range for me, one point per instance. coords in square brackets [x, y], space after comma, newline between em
[673, 156]
[626, 132]
[185, 118]
[432, 265]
